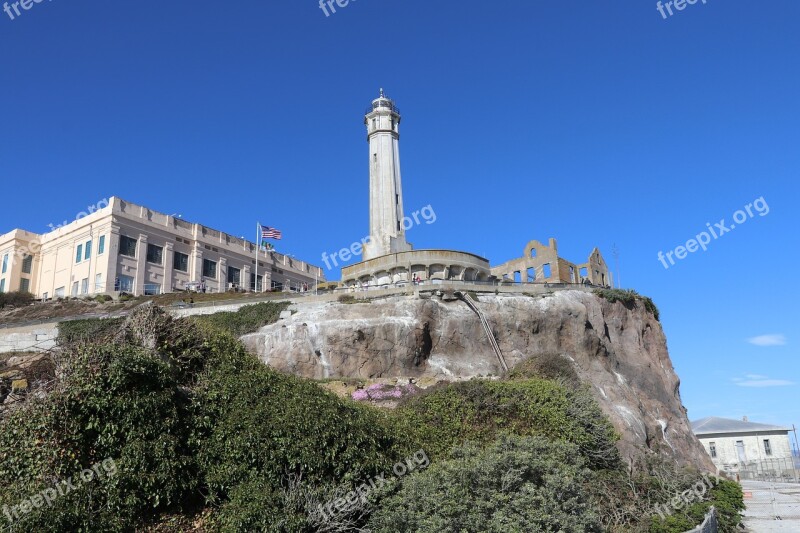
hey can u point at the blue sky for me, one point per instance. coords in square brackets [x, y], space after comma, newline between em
[596, 123]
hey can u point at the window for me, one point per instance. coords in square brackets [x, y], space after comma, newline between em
[24, 285]
[79, 254]
[209, 268]
[127, 246]
[234, 275]
[85, 286]
[5, 263]
[767, 447]
[712, 448]
[98, 283]
[533, 252]
[27, 264]
[154, 254]
[152, 289]
[547, 271]
[125, 284]
[2, 285]
[59, 292]
[75, 289]
[101, 245]
[180, 262]
[88, 250]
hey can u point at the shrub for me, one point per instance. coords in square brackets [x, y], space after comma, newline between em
[516, 484]
[263, 428]
[15, 299]
[246, 320]
[446, 416]
[103, 298]
[90, 329]
[118, 403]
[548, 366]
[629, 299]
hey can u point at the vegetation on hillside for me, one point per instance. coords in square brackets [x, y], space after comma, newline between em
[629, 298]
[199, 430]
[15, 299]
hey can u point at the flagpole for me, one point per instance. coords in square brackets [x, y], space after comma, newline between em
[255, 283]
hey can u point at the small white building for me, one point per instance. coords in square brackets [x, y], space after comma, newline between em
[747, 448]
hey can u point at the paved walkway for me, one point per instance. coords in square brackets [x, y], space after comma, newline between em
[764, 500]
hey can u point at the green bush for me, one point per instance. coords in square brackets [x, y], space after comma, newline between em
[629, 299]
[15, 299]
[547, 366]
[446, 416]
[246, 320]
[90, 329]
[725, 496]
[517, 484]
[118, 403]
[264, 428]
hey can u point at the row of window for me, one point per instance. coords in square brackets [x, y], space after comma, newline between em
[180, 261]
[712, 448]
[84, 251]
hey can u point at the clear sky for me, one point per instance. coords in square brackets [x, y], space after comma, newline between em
[597, 123]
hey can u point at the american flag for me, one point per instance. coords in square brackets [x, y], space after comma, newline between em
[270, 233]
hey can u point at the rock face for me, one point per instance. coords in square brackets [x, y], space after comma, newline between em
[620, 351]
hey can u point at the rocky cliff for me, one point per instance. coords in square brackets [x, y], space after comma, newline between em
[619, 350]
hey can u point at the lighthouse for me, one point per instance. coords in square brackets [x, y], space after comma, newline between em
[387, 234]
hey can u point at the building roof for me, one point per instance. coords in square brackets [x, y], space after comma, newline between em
[713, 424]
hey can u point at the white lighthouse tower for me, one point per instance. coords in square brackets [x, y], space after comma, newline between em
[387, 235]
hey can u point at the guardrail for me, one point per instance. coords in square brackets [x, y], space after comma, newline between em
[710, 523]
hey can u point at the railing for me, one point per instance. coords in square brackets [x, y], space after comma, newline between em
[383, 102]
[776, 470]
[710, 523]
[486, 327]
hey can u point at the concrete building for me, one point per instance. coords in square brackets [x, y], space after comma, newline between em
[744, 447]
[388, 258]
[541, 263]
[125, 247]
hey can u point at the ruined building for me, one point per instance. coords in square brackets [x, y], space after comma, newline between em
[540, 263]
